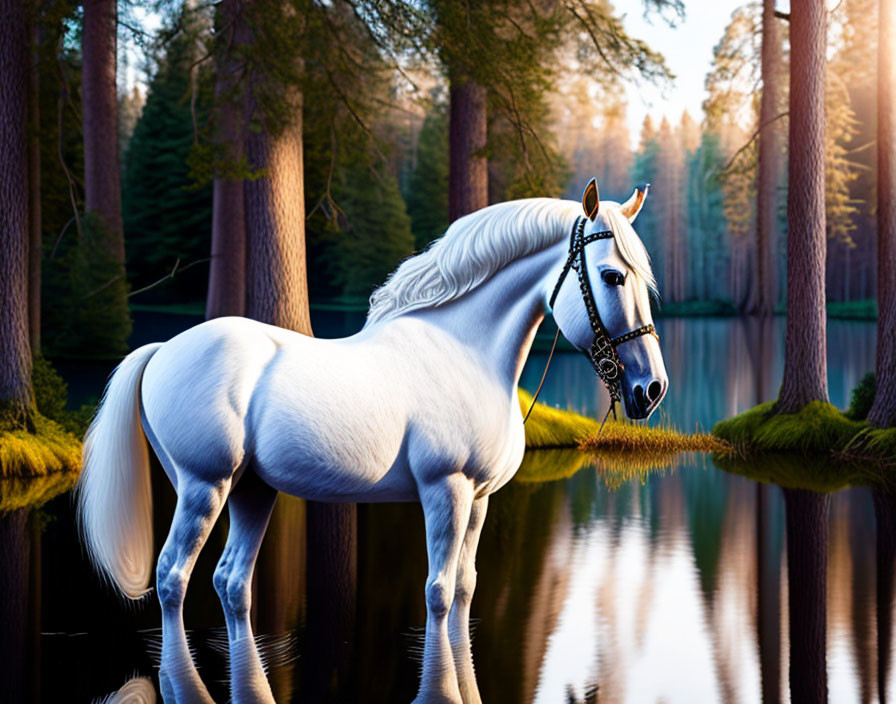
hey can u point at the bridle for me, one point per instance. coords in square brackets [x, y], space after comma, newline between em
[602, 353]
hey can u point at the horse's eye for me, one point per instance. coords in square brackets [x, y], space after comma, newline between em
[613, 278]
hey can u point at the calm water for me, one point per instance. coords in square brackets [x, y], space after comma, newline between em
[674, 589]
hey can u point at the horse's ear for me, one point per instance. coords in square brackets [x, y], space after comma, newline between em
[633, 205]
[590, 199]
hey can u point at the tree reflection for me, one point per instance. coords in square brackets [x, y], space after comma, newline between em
[15, 636]
[807, 560]
[884, 505]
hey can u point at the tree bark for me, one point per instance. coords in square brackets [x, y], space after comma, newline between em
[35, 244]
[769, 150]
[99, 108]
[805, 359]
[883, 410]
[227, 271]
[807, 561]
[15, 351]
[277, 293]
[468, 166]
[277, 282]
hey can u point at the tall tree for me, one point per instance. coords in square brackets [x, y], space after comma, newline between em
[805, 358]
[769, 163]
[165, 214]
[15, 350]
[427, 190]
[467, 134]
[99, 110]
[34, 204]
[227, 269]
[883, 410]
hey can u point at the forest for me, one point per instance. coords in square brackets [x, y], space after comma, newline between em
[278, 159]
[257, 158]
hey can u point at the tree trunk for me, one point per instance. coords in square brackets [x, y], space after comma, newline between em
[277, 283]
[883, 410]
[227, 271]
[15, 351]
[277, 293]
[99, 108]
[468, 166]
[805, 358]
[35, 244]
[807, 561]
[769, 149]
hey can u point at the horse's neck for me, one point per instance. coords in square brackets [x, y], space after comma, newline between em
[499, 318]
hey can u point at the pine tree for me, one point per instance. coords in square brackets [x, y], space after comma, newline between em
[166, 217]
[805, 348]
[427, 190]
[15, 351]
[883, 411]
[102, 170]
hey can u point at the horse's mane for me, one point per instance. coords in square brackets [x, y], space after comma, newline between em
[479, 244]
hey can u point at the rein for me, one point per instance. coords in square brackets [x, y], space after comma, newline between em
[602, 354]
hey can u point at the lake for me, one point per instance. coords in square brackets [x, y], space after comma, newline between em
[671, 587]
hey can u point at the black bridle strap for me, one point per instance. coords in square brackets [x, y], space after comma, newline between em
[645, 330]
[602, 353]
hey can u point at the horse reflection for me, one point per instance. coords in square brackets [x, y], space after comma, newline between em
[181, 683]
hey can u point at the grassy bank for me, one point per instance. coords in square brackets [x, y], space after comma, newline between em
[817, 430]
[41, 449]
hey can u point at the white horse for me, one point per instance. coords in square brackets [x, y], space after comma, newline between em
[420, 405]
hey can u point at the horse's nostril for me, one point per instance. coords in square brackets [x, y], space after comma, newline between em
[654, 390]
[639, 395]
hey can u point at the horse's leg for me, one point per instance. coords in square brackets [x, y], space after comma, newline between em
[446, 509]
[459, 616]
[199, 504]
[250, 506]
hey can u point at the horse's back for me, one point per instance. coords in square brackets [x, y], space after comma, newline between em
[196, 392]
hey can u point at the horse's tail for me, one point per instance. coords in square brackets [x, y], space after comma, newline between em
[114, 493]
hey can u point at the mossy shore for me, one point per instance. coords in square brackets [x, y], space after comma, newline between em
[815, 431]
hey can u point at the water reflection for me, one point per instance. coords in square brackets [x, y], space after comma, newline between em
[596, 582]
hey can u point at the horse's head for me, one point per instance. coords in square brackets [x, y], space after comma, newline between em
[602, 302]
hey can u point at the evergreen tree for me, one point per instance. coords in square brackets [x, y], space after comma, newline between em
[427, 190]
[166, 216]
[376, 234]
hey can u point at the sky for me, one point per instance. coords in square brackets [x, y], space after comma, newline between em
[687, 48]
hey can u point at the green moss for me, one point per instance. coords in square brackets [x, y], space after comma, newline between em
[41, 451]
[817, 428]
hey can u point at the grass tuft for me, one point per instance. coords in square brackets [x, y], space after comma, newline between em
[621, 437]
[41, 450]
[552, 428]
[817, 428]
